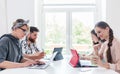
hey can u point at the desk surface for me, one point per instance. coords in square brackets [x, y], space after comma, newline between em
[59, 67]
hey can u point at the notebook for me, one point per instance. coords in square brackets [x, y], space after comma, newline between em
[47, 63]
[77, 62]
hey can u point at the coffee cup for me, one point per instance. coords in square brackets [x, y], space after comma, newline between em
[93, 58]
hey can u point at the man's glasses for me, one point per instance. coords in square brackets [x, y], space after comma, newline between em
[25, 31]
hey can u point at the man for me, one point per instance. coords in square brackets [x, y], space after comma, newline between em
[29, 47]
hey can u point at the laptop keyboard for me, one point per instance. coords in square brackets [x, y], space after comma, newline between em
[40, 66]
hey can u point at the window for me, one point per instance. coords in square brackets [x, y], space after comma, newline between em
[67, 23]
[82, 23]
[55, 33]
[68, 1]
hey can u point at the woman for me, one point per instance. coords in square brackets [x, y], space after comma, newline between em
[97, 42]
[95, 38]
[10, 51]
[110, 50]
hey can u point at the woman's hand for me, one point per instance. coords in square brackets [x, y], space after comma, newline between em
[96, 48]
[98, 61]
[39, 62]
[85, 57]
[28, 63]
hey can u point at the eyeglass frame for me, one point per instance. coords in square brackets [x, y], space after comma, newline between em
[25, 31]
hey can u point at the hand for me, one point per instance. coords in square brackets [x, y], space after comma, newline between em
[85, 57]
[40, 55]
[96, 60]
[96, 48]
[39, 62]
[29, 63]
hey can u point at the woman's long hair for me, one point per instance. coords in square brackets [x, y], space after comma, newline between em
[103, 25]
[100, 40]
[93, 32]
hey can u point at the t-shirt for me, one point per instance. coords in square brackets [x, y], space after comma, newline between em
[28, 49]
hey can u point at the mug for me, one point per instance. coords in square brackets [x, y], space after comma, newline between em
[92, 59]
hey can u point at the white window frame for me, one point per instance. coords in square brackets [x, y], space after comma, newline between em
[40, 14]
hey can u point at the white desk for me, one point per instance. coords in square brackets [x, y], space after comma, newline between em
[59, 67]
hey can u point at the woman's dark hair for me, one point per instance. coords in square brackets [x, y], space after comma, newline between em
[93, 32]
[104, 25]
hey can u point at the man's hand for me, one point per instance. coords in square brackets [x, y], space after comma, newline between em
[40, 55]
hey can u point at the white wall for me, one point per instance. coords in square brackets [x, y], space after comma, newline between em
[3, 22]
[11, 10]
[113, 15]
[20, 9]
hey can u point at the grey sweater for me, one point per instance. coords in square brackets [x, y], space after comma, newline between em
[10, 49]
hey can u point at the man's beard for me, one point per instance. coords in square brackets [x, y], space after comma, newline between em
[32, 40]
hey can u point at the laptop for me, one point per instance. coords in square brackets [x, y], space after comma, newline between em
[47, 63]
[77, 62]
[59, 55]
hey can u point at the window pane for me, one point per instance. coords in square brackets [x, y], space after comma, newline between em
[82, 25]
[55, 30]
[69, 1]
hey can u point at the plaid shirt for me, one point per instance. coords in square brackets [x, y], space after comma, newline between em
[28, 49]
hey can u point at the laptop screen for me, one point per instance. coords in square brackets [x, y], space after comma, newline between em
[59, 55]
[53, 56]
[75, 58]
[76, 62]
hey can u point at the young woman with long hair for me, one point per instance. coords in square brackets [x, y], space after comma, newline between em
[110, 50]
